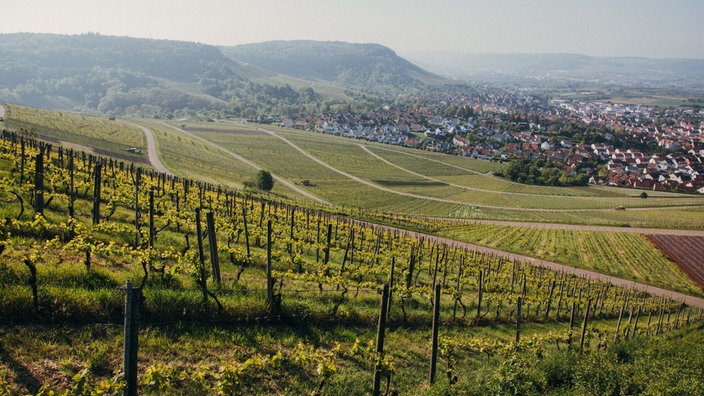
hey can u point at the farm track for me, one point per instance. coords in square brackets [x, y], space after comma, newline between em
[151, 149]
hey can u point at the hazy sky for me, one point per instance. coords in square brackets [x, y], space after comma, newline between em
[663, 28]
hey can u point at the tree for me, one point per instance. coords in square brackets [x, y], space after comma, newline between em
[264, 180]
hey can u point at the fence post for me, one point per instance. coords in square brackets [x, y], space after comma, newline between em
[213, 245]
[569, 337]
[457, 288]
[618, 324]
[246, 230]
[380, 340]
[269, 280]
[39, 182]
[71, 194]
[391, 285]
[479, 294]
[96, 192]
[519, 314]
[201, 260]
[132, 302]
[327, 245]
[436, 325]
[137, 180]
[584, 325]
[152, 230]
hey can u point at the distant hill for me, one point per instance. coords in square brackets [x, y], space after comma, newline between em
[163, 78]
[371, 67]
[113, 74]
[555, 67]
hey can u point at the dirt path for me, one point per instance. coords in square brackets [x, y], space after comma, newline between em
[151, 149]
[250, 163]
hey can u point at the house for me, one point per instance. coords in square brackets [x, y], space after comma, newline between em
[460, 141]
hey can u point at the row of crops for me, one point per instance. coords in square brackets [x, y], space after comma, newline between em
[78, 226]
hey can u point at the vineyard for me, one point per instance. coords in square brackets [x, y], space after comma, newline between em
[289, 293]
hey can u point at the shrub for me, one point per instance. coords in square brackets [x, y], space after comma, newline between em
[264, 180]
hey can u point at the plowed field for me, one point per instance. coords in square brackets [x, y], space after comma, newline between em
[686, 251]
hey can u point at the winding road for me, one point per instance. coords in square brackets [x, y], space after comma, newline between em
[151, 149]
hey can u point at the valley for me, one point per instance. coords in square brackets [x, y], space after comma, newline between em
[403, 248]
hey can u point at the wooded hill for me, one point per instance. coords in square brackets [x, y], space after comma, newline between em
[121, 75]
[365, 66]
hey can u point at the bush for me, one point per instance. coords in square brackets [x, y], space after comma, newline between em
[265, 181]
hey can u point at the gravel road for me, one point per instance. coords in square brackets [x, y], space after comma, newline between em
[151, 149]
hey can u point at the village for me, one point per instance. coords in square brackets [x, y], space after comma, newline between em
[634, 146]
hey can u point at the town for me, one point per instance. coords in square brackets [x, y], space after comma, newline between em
[625, 145]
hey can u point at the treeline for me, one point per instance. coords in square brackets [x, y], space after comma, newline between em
[542, 172]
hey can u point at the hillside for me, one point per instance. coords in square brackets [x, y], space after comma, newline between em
[113, 75]
[161, 78]
[366, 66]
[295, 312]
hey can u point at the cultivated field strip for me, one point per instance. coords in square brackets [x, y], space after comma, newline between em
[623, 254]
[99, 134]
[687, 251]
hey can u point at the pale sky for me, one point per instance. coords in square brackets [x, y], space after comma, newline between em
[647, 28]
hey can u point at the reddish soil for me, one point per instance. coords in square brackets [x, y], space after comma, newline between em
[227, 131]
[686, 251]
